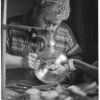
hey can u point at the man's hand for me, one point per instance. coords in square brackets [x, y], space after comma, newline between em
[58, 69]
[31, 61]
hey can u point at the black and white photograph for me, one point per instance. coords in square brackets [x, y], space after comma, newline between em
[49, 50]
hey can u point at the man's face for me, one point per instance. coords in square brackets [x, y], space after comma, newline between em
[47, 18]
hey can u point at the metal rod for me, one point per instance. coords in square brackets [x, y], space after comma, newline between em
[88, 69]
[3, 49]
[22, 27]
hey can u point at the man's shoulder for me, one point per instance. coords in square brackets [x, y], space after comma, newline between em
[65, 30]
[65, 26]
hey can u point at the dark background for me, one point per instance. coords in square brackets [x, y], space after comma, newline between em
[83, 21]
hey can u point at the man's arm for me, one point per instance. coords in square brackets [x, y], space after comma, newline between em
[29, 61]
[13, 61]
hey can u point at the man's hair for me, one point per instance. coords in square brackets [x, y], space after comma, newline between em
[62, 7]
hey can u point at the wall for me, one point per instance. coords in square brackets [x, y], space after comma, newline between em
[16, 7]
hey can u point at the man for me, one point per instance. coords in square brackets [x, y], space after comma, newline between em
[48, 14]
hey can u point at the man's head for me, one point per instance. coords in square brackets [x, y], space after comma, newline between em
[61, 8]
[52, 12]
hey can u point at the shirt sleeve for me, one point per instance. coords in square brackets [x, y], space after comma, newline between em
[74, 49]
